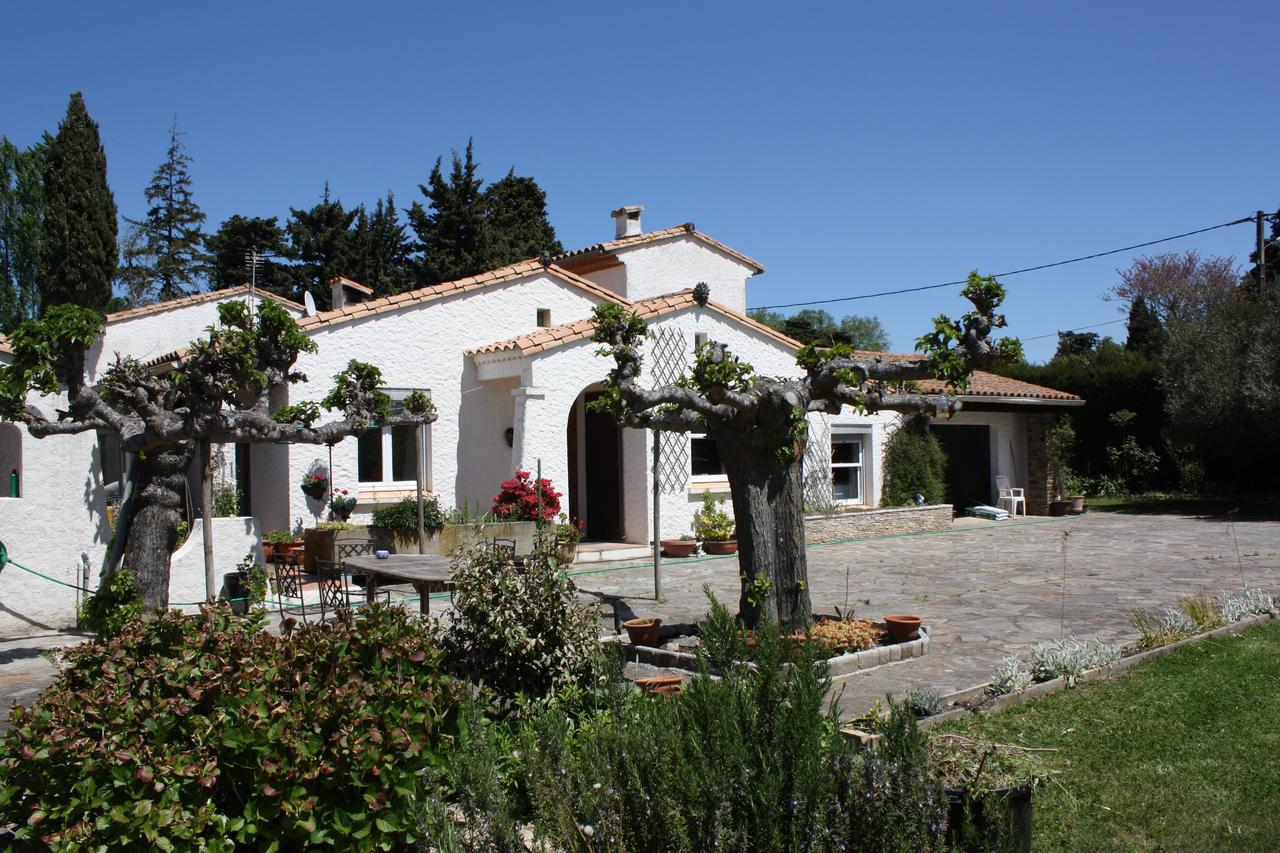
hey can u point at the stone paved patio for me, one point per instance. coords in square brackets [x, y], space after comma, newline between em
[986, 589]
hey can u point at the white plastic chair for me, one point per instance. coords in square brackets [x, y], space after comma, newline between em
[1008, 494]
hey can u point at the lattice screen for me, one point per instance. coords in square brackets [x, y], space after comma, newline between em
[817, 466]
[666, 362]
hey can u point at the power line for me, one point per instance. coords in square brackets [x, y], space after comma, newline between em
[1077, 329]
[1240, 221]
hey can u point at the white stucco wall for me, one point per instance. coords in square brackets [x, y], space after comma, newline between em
[669, 265]
[60, 515]
[422, 347]
[232, 539]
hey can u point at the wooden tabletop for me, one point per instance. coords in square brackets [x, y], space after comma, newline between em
[407, 568]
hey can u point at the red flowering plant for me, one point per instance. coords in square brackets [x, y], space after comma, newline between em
[518, 500]
[342, 504]
[315, 484]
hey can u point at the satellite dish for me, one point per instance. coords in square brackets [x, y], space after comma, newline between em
[309, 303]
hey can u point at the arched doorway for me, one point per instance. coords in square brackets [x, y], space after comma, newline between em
[594, 445]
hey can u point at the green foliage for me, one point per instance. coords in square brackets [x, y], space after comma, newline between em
[402, 516]
[1059, 447]
[518, 627]
[1146, 332]
[165, 259]
[749, 761]
[320, 238]
[278, 537]
[923, 702]
[254, 575]
[78, 244]
[942, 345]
[819, 328]
[914, 462]
[235, 238]
[466, 230]
[715, 367]
[305, 413]
[210, 732]
[712, 523]
[356, 393]
[226, 501]
[378, 249]
[113, 605]
[21, 229]
[40, 348]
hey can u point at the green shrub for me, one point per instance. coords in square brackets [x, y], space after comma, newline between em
[115, 603]
[518, 627]
[712, 523]
[402, 517]
[914, 462]
[749, 761]
[226, 502]
[207, 731]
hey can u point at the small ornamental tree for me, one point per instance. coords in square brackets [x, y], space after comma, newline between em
[760, 423]
[914, 463]
[219, 394]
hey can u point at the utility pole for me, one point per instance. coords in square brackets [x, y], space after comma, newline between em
[1260, 218]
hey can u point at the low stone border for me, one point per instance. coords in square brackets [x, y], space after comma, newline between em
[994, 704]
[864, 523]
[842, 666]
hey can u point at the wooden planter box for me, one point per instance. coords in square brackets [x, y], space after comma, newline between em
[323, 544]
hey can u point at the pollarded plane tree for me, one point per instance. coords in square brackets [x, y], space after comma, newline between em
[760, 423]
[219, 393]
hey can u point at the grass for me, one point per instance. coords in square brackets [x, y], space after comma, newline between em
[1184, 504]
[1178, 754]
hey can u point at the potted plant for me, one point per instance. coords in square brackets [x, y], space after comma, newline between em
[274, 541]
[568, 532]
[714, 526]
[315, 484]
[1059, 445]
[989, 789]
[682, 547]
[643, 631]
[247, 585]
[341, 505]
[902, 628]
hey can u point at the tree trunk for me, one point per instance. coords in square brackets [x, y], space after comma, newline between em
[768, 508]
[158, 479]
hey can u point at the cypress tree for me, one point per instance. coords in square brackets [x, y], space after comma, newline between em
[1146, 334]
[380, 249]
[21, 227]
[452, 235]
[78, 244]
[320, 238]
[914, 462]
[235, 238]
[517, 227]
[165, 258]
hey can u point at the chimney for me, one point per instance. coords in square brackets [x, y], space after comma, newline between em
[626, 221]
[343, 292]
[337, 294]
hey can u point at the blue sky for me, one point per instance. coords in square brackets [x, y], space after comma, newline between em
[851, 148]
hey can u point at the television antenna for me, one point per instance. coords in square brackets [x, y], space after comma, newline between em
[252, 263]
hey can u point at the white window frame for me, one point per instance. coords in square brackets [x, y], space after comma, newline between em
[398, 395]
[863, 438]
[703, 478]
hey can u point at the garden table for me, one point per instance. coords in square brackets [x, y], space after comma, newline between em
[427, 572]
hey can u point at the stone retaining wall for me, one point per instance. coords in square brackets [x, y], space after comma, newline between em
[863, 524]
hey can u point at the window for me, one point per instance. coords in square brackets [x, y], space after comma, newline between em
[846, 467]
[390, 454]
[699, 340]
[544, 317]
[704, 457]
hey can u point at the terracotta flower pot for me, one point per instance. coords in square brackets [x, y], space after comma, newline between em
[643, 632]
[902, 628]
[678, 547]
[728, 546]
[566, 553]
[1077, 504]
[661, 685]
[1060, 507]
[267, 551]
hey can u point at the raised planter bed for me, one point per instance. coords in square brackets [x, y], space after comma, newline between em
[842, 666]
[323, 544]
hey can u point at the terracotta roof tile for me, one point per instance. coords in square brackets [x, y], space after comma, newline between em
[513, 272]
[196, 299]
[686, 230]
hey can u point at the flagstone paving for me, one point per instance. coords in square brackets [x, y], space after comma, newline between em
[985, 589]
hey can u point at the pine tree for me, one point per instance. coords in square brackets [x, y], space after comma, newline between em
[451, 236]
[1146, 335]
[380, 249]
[78, 245]
[234, 239]
[164, 258]
[21, 212]
[321, 239]
[517, 224]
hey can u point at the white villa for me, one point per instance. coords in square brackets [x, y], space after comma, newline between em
[508, 360]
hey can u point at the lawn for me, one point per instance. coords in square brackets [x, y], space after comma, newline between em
[1178, 754]
[1180, 504]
